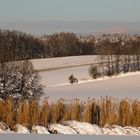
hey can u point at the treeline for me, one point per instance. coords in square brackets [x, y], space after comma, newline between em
[107, 110]
[109, 65]
[21, 46]
[68, 44]
[120, 46]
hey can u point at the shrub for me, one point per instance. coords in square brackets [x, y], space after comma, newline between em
[94, 72]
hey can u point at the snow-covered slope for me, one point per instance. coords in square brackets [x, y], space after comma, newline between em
[54, 71]
[60, 62]
[57, 84]
[121, 87]
[75, 128]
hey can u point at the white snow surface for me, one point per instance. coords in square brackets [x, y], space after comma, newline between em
[60, 129]
[132, 130]
[60, 62]
[40, 130]
[84, 128]
[2, 131]
[55, 72]
[119, 130]
[74, 128]
[122, 86]
[21, 129]
[107, 131]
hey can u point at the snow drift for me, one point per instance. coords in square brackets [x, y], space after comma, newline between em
[74, 128]
[40, 130]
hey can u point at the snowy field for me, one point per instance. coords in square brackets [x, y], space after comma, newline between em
[54, 73]
[60, 62]
[74, 128]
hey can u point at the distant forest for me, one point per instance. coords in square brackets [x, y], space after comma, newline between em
[16, 45]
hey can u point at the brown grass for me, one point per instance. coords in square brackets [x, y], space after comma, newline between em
[109, 111]
[44, 114]
[88, 115]
[23, 113]
[125, 112]
[75, 110]
[8, 112]
[57, 111]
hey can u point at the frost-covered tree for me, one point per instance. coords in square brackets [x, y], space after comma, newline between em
[9, 78]
[29, 83]
[19, 79]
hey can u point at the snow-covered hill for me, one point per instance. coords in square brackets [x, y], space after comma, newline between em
[75, 128]
[63, 62]
[54, 73]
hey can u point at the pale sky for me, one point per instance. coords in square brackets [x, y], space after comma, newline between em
[32, 15]
[42, 10]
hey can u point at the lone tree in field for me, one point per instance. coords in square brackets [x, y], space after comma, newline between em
[72, 79]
